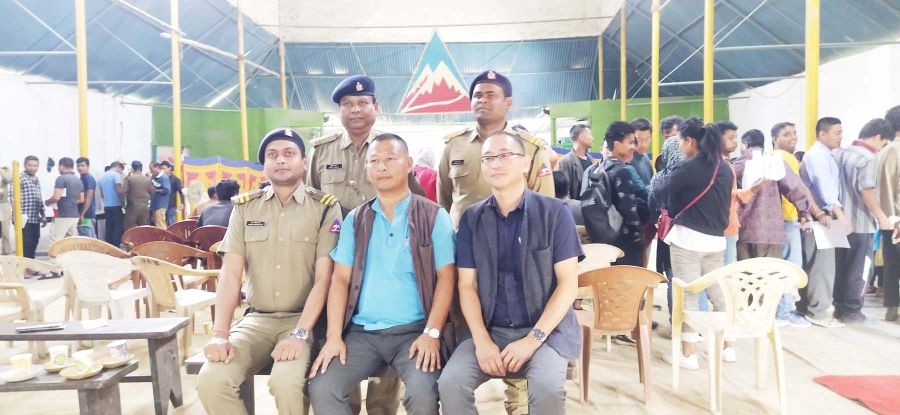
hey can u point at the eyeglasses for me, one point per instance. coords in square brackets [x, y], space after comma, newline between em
[502, 157]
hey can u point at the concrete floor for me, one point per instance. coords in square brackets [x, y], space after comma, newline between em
[614, 388]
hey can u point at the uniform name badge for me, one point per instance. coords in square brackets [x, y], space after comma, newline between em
[457, 162]
[333, 166]
[255, 223]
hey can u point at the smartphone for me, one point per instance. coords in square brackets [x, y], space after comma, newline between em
[40, 327]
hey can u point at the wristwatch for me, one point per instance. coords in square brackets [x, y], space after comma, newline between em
[300, 334]
[432, 332]
[538, 335]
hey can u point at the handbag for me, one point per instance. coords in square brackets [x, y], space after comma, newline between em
[664, 223]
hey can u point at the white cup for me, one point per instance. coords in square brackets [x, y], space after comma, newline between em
[118, 349]
[84, 360]
[21, 362]
[59, 355]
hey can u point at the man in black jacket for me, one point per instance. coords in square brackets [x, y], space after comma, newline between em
[621, 142]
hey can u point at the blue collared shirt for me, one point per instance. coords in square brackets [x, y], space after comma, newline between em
[821, 175]
[389, 295]
[160, 200]
[107, 185]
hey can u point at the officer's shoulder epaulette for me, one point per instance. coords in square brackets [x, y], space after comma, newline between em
[247, 196]
[528, 138]
[455, 134]
[326, 139]
[326, 199]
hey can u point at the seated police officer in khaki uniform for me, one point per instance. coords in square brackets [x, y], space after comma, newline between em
[391, 291]
[281, 237]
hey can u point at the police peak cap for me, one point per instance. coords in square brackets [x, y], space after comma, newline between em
[492, 77]
[282, 133]
[353, 85]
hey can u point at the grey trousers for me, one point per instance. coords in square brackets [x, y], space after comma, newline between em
[815, 298]
[368, 353]
[688, 266]
[545, 372]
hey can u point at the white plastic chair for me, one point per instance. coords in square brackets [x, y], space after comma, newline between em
[161, 276]
[752, 289]
[90, 274]
[17, 297]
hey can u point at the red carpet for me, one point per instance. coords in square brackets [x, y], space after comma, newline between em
[881, 394]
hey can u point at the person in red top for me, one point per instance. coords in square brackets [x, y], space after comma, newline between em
[425, 173]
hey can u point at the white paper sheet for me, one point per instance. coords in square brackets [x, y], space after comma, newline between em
[834, 236]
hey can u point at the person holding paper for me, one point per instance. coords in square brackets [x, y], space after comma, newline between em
[762, 229]
[819, 172]
[858, 175]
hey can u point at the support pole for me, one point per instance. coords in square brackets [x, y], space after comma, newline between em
[283, 76]
[81, 75]
[709, 27]
[176, 92]
[242, 84]
[812, 70]
[654, 79]
[623, 57]
[17, 207]
[600, 67]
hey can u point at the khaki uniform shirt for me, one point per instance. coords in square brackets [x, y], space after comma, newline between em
[460, 182]
[338, 167]
[280, 244]
[137, 189]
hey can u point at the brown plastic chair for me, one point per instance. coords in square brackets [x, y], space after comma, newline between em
[204, 236]
[183, 228]
[178, 254]
[623, 304]
[140, 235]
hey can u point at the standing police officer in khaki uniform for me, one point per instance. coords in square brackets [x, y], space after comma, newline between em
[281, 236]
[337, 166]
[6, 246]
[459, 181]
[337, 161]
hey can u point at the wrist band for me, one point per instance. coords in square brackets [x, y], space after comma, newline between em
[225, 333]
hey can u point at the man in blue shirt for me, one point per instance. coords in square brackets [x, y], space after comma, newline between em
[390, 292]
[819, 172]
[86, 223]
[110, 185]
[517, 292]
[159, 202]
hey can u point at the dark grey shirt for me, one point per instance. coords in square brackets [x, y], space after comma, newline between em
[67, 206]
[216, 214]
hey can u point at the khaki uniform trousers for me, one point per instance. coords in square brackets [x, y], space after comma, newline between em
[159, 218]
[253, 338]
[6, 229]
[136, 216]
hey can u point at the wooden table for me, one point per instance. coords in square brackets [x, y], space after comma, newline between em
[96, 395]
[162, 341]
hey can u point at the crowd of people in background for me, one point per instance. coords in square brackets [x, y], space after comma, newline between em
[728, 206]
[121, 199]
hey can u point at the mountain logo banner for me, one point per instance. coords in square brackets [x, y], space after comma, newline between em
[437, 86]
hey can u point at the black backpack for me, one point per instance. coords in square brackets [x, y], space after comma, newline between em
[602, 220]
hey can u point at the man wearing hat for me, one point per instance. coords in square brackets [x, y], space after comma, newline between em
[137, 189]
[337, 166]
[337, 160]
[281, 237]
[460, 182]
